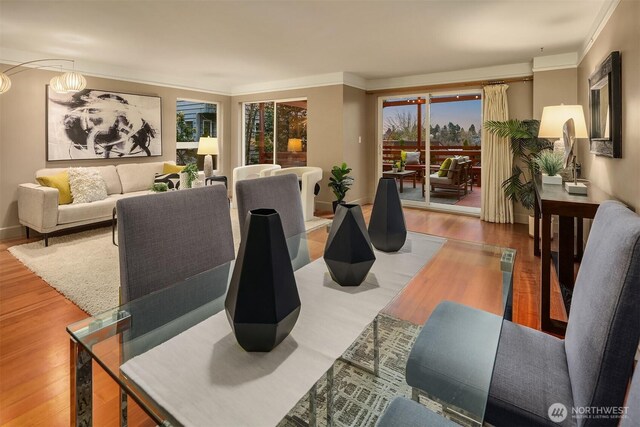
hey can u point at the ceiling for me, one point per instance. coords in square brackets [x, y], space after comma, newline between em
[225, 45]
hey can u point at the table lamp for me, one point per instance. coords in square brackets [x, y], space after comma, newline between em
[566, 122]
[294, 145]
[208, 146]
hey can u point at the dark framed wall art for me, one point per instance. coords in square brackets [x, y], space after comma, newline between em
[98, 124]
[605, 105]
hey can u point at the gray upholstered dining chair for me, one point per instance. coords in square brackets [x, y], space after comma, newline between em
[281, 193]
[275, 192]
[167, 237]
[532, 370]
[591, 366]
[403, 412]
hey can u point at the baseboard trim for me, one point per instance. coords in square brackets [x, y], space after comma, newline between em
[323, 206]
[12, 232]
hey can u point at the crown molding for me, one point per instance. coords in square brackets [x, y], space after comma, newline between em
[318, 80]
[95, 69]
[600, 22]
[555, 62]
[473, 74]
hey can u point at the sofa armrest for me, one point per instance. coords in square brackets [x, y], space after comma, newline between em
[38, 207]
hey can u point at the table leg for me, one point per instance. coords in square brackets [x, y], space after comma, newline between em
[545, 274]
[414, 180]
[81, 387]
[536, 229]
[401, 184]
[330, 397]
[376, 348]
[565, 251]
[312, 405]
[579, 239]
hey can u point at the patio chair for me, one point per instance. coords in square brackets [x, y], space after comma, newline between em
[456, 179]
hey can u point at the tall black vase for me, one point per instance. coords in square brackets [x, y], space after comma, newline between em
[348, 252]
[262, 303]
[387, 229]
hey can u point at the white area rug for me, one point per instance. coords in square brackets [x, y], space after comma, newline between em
[84, 266]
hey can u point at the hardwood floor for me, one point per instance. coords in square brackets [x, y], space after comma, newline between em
[34, 344]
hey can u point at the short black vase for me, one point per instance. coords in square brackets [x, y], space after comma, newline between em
[348, 252]
[387, 229]
[262, 302]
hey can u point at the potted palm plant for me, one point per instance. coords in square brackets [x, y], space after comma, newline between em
[526, 148]
[340, 182]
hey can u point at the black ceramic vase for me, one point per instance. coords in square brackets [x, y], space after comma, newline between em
[262, 303]
[348, 252]
[387, 229]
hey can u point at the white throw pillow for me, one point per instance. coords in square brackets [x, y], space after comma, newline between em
[87, 185]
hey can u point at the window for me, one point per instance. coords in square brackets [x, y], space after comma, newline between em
[275, 132]
[194, 119]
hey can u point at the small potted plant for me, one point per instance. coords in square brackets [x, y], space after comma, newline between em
[550, 163]
[159, 187]
[395, 167]
[340, 182]
[188, 175]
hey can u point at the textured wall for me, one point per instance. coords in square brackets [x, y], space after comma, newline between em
[618, 177]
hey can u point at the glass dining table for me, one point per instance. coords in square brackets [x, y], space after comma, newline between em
[129, 341]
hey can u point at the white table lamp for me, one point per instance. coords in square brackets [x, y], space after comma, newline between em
[566, 122]
[208, 146]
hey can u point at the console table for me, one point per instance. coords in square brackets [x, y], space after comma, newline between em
[571, 208]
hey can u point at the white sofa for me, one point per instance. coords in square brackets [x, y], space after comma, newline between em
[38, 207]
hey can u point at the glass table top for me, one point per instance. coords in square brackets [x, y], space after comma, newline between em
[476, 275]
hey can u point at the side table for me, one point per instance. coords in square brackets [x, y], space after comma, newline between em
[216, 178]
[554, 200]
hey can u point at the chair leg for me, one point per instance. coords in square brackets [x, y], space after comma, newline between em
[27, 230]
[46, 240]
[415, 394]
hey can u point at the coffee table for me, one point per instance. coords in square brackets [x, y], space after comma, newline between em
[130, 341]
[401, 175]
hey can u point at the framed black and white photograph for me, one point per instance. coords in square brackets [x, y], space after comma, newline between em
[98, 124]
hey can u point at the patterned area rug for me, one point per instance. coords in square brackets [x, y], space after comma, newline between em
[359, 397]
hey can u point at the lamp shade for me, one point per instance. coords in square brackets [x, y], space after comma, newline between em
[5, 83]
[294, 144]
[73, 81]
[207, 145]
[57, 85]
[554, 118]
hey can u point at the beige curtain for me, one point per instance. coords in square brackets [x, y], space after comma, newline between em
[496, 159]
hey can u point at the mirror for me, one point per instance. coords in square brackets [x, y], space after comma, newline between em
[605, 105]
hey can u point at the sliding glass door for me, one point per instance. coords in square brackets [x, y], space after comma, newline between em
[275, 132]
[418, 133]
[404, 145]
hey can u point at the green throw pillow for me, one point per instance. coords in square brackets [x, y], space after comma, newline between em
[444, 168]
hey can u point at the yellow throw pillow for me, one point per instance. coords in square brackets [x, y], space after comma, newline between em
[170, 168]
[444, 168]
[61, 182]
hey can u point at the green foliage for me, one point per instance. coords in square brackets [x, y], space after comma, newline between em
[160, 187]
[525, 146]
[192, 173]
[550, 162]
[340, 181]
[184, 132]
